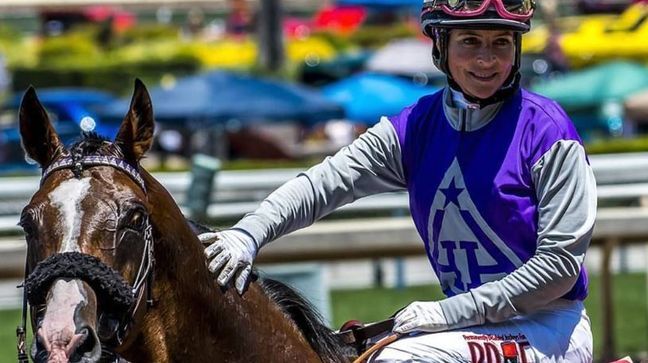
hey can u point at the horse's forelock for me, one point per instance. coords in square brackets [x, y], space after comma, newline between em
[92, 143]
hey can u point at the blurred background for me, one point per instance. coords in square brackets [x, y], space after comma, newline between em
[247, 93]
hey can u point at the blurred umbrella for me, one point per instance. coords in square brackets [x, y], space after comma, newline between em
[636, 107]
[219, 97]
[73, 104]
[410, 57]
[611, 82]
[368, 96]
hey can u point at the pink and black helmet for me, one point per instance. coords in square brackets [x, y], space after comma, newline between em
[480, 14]
[438, 17]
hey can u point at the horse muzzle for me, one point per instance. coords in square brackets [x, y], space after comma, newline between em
[75, 291]
[67, 330]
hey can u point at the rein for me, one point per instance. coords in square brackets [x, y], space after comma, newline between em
[379, 345]
[120, 335]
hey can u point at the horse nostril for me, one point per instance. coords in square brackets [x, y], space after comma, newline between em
[40, 355]
[39, 351]
[88, 348]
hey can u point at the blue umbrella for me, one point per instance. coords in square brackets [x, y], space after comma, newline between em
[67, 107]
[220, 96]
[70, 105]
[73, 104]
[368, 96]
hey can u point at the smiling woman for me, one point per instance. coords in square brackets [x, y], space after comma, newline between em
[480, 60]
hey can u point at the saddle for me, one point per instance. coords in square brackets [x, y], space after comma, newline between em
[361, 336]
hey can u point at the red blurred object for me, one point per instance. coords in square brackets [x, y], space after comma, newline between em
[121, 20]
[57, 21]
[340, 19]
[297, 28]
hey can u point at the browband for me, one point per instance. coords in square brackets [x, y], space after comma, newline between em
[94, 160]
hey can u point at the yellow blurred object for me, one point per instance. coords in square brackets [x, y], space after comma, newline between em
[158, 49]
[243, 53]
[22, 52]
[623, 37]
[228, 53]
[536, 40]
[309, 50]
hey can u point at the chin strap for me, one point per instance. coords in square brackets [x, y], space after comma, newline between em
[499, 96]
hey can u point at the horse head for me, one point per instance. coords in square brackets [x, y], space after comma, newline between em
[101, 232]
[89, 238]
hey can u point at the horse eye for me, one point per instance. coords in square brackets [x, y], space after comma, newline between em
[29, 230]
[136, 220]
[27, 225]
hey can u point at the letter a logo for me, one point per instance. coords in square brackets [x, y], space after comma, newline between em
[465, 251]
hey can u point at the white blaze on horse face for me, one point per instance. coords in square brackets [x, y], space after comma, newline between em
[58, 329]
[67, 197]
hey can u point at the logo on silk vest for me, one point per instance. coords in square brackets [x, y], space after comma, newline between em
[464, 250]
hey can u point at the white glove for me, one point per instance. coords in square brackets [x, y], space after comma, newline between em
[420, 316]
[231, 252]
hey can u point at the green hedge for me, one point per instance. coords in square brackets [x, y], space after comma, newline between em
[116, 78]
[614, 146]
[377, 36]
[78, 59]
[147, 33]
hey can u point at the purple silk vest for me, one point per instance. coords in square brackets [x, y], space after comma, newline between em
[472, 196]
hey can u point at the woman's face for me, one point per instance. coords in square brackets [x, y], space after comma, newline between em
[480, 60]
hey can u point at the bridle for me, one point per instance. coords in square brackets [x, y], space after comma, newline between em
[121, 334]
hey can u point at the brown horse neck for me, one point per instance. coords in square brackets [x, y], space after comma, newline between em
[208, 323]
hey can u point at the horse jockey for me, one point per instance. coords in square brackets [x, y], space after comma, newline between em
[500, 189]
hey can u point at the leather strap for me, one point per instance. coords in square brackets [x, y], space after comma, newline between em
[358, 335]
[381, 344]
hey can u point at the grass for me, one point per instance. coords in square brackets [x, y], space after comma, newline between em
[631, 315]
[376, 303]
[9, 320]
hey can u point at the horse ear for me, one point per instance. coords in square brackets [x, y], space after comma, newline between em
[135, 135]
[38, 137]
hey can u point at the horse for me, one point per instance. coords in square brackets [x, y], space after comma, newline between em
[115, 269]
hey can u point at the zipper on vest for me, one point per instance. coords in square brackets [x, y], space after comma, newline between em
[463, 116]
[468, 115]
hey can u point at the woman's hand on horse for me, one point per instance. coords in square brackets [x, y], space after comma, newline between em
[424, 316]
[230, 253]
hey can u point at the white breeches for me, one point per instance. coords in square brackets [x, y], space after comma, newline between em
[558, 333]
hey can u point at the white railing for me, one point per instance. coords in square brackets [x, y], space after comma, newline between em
[620, 177]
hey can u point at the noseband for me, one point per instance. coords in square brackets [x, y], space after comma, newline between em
[111, 289]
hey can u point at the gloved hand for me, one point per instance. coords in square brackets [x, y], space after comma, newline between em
[420, 316]
[231, 252]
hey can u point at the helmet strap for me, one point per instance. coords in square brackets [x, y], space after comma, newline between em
[502, 94]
